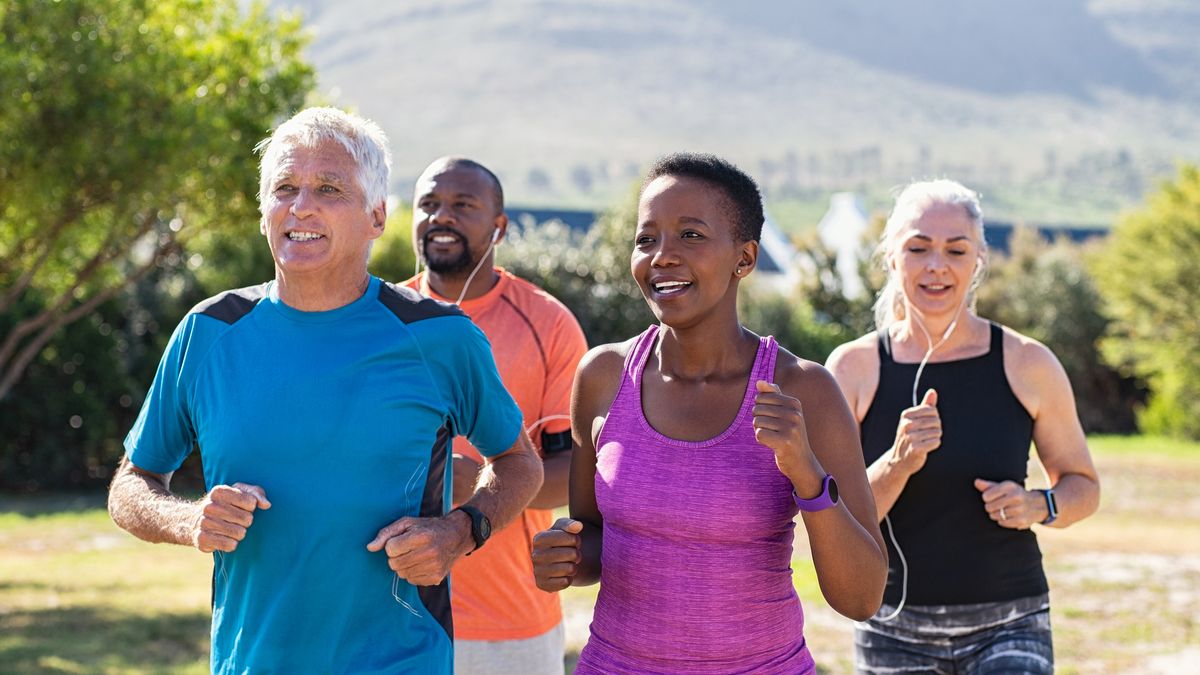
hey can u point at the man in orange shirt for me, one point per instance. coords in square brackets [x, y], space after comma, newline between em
[502, 622]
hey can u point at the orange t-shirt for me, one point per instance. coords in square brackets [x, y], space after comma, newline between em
[537, 344]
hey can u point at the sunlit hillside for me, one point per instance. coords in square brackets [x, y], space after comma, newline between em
[1061, 111]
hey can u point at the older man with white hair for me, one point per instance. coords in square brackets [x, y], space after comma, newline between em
[323, 403]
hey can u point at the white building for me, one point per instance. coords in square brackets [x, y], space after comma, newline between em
[842, 229]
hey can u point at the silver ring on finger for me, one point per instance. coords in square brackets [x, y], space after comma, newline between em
[1003, 515]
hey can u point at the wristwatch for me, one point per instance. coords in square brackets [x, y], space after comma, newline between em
[827, 498]
[1051, 506]
[481, 527]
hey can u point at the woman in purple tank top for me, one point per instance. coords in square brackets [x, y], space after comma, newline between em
[696, 443]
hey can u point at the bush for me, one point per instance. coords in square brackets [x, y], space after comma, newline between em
[393, 258]
[791, 320]
[1045, 291]
[589, 272]
[1149, 277]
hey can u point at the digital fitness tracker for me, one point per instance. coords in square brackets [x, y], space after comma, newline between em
[827, 498]
[481, 527]
[1051, 506]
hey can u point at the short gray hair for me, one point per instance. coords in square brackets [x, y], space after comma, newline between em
[363, 140]
[911, 203]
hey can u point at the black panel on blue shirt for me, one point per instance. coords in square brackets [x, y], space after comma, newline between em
[410, 306]
[437, 598]
[232, 305]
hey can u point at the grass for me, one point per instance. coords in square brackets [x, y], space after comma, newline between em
[80, 596]
[77, 595]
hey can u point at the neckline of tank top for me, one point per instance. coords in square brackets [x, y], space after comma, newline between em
[746, 406]
[992, 327]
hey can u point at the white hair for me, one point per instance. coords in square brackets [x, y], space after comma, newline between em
[912, 202]
[363, 140]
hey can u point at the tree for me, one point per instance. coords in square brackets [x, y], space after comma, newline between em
[824, 289]
[589, 272]
[1149, 277]
[1045, 291]
[393, 257]
[125, 131]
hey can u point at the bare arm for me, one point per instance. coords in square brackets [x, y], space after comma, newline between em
[568, 554]
[806, 422]
[507, 483]
[1062, 448]
[552, 495]
[556, 468]
[1042, 386]
[141, 503]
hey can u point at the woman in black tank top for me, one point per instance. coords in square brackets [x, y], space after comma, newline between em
[948, 404]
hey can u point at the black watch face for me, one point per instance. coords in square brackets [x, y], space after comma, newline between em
[485, 528]
[833, 491]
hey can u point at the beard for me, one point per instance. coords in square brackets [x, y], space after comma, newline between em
[447, 264]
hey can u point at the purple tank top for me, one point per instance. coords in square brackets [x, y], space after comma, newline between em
[696, 565]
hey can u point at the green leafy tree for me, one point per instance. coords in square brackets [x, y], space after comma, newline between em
[1149, 277]
[393, 258]
[125, 133]
[589, 272]
[824, 290]
[1045, 291]
[791, 319]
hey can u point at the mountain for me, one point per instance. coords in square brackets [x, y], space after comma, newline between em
[1062, 110]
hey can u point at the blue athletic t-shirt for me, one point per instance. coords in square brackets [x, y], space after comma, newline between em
[344, 418]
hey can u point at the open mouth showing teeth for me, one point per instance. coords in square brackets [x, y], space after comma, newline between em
[667, 287]
[444, 239]
[304, 236]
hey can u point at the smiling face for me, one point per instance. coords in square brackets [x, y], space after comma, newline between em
[685, 258]
[455, 216]
[315, 216]
[935, 257]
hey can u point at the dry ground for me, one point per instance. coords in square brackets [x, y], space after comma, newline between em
[79, 596]
[1125, 584]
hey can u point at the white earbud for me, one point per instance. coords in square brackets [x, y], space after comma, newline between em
[495, 235]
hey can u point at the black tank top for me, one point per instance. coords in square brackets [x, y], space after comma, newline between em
[956, 554]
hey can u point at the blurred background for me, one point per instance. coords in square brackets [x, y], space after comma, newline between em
[128, 193]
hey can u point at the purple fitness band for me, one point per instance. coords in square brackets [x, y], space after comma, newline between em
[827, 498]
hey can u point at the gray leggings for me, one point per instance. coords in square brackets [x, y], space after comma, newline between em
[988, 638]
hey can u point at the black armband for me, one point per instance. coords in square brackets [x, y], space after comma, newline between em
[557, 442]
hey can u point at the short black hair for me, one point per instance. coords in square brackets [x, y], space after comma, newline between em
[455, 162]
[741, 192]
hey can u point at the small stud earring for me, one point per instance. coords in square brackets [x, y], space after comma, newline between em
[738, 271]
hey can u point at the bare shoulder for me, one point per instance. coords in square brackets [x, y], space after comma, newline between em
[855, 367]
[597, 381]
[828, 420]
[599, 376]
[808, 381]
[1034, 373]
[605, 360]
[856, 359]
[1025, 357]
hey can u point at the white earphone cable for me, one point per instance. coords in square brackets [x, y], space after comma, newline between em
[917, 319]
[482, 258]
